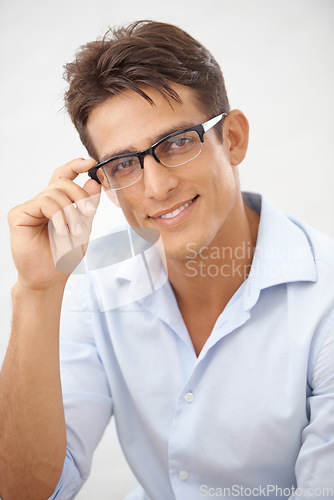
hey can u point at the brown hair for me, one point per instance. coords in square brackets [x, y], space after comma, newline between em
[145, 53]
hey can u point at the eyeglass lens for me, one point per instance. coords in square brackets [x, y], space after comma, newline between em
[172, 152]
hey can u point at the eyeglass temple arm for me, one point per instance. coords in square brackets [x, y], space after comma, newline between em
[211, 123]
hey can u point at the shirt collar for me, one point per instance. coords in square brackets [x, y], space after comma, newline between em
[129, 280]
[283, 253]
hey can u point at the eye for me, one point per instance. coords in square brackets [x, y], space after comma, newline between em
[178, 142]
[123, 165]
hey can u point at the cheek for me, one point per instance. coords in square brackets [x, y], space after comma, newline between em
[130, 206]
[222, 176]
[224, 191]
[112, 195]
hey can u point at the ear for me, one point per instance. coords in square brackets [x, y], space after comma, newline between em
[235, 136]
[112, 195]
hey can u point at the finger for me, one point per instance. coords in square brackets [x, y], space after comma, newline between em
[35, 212]
[74, 193]
[46, 209]
[79, 226]
[60, 224]
[88, 206]
[77, 222]
[93, 189]
[70, 214]
[66, 252]
[56, 206]
[72, 169]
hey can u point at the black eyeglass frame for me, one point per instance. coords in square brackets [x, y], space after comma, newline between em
[200, 129]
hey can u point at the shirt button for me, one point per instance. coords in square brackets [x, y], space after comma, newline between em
[183, 474]
[189, 397]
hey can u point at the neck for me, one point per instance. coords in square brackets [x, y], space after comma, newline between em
[209, 278]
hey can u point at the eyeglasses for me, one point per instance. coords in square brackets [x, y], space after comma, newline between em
[174, 150]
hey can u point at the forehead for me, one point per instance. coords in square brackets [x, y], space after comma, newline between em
[127, 121]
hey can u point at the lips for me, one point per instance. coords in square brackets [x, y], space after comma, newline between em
[173, 211]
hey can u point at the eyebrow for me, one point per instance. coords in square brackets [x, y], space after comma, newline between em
[176, 128]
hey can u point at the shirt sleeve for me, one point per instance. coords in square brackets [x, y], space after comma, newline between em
[315, 463]
[86, 393]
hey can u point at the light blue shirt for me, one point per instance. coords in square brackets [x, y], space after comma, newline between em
[251, 416]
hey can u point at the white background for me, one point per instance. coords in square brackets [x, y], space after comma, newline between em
[277, 59]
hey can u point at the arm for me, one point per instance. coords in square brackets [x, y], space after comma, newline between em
[32, 424]
[32, 428]
[315, 463]
[86, 392]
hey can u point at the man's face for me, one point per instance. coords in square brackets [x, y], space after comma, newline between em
[205, 188]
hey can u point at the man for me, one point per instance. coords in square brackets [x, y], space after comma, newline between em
[221, 377]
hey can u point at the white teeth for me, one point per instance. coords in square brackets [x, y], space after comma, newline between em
[176, 211]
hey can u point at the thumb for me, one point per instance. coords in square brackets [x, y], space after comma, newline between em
[94, 191]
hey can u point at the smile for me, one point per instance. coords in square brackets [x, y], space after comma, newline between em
[176, 215]
[176, 211]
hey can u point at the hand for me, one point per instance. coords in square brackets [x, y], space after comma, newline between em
[53, 208]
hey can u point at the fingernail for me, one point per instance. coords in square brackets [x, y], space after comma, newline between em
[78, 228]
[89, 205]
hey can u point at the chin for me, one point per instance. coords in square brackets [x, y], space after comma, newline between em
[181, 249]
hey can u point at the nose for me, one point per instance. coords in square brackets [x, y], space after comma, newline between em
[159, 180]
